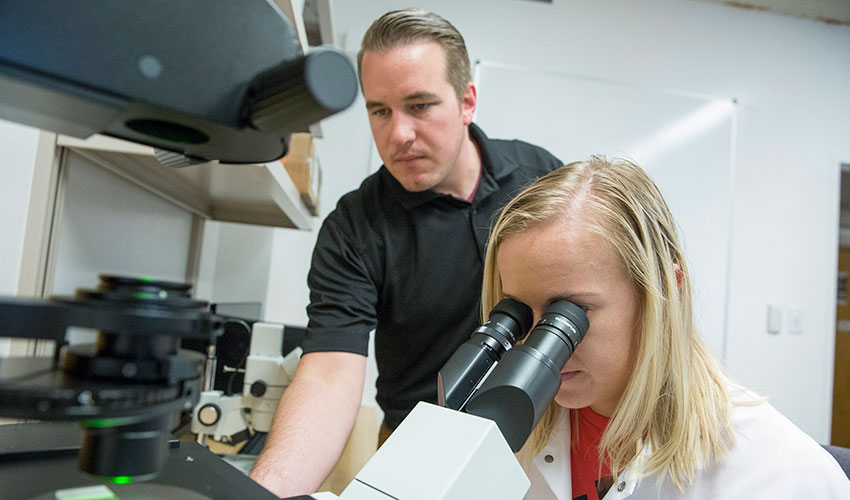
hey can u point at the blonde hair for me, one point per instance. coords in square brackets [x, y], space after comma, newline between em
[675, 401]
[408, 26]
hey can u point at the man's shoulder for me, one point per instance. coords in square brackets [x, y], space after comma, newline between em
[519, 146]
[362, 206]
[525, 154]
[363, 196]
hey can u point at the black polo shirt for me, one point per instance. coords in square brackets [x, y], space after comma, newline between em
[410, 266]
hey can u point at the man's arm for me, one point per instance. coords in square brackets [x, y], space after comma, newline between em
[312, 423]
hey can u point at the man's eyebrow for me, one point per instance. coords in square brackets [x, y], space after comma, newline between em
[410, 97]
[420, 95]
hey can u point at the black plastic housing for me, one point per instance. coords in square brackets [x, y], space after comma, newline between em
[527, 378]
[508, 323]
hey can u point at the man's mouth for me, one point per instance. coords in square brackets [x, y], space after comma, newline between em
[408, 158]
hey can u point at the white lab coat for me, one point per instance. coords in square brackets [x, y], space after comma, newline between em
[772, 459]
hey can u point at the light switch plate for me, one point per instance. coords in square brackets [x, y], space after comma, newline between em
[774, 319]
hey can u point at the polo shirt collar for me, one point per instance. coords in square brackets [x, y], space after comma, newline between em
[495, 165]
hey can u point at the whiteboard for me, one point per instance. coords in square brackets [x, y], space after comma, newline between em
[686, 142]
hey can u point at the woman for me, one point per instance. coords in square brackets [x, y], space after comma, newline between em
[643, 410]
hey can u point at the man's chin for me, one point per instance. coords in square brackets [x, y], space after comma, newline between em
[416, 185]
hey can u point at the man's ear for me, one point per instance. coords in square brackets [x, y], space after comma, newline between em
[469, 102]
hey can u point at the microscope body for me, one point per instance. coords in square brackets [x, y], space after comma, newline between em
[267, 374]
[441, 454]
[491, 397]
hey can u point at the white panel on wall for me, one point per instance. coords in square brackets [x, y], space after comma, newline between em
[242, 253]
[683, 141]
[110, 226]
[17, 161]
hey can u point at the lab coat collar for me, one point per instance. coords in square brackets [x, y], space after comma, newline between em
[553, 464]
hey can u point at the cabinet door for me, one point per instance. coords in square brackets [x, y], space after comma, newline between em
[841, 383]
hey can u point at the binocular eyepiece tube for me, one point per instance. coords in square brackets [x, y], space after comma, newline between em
[463, 372]
[525, 379]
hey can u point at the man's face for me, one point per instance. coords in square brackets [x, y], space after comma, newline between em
[416, 118]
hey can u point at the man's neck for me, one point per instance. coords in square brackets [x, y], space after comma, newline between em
[464, 179]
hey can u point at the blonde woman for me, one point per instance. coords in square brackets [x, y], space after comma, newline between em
[643, 410]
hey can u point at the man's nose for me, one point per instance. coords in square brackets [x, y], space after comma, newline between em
[403, 129]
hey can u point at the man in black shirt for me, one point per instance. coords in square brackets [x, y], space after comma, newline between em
[403, 254]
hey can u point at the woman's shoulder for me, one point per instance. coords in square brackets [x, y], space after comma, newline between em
[770, 458]
[773, 457]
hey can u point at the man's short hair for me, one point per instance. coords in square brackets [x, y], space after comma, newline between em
[407, 26]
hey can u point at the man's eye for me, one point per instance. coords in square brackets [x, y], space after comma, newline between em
[379, 112]
[422, 106]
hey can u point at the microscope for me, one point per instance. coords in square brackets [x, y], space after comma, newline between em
[199, 81]
[490, 397]
[267, 374]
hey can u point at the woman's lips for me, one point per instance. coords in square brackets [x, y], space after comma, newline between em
[568, 375]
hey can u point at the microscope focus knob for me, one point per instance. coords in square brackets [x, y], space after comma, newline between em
[209, 414]
[258, 388]
[299, 92]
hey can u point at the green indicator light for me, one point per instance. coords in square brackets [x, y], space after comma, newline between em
[146, 280]
[144, 295]
[99, 422]
[105, 422]
[121, 479]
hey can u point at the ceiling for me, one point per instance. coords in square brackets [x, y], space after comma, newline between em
[828, 11]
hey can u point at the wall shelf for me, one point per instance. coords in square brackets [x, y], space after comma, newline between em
[260, 194]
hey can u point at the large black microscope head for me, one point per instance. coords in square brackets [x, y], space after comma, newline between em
[206, 80]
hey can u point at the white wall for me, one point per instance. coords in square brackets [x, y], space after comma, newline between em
[111, 226]
[234, 263]
[17, 161]
[790, 77]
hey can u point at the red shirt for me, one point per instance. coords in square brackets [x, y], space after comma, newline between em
[589, 481]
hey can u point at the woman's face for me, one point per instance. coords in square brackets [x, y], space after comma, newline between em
[559, 260]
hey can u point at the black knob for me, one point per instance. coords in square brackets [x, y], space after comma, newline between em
[298, 93]
[258, 388]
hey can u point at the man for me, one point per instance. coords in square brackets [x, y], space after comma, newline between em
[403, 254]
